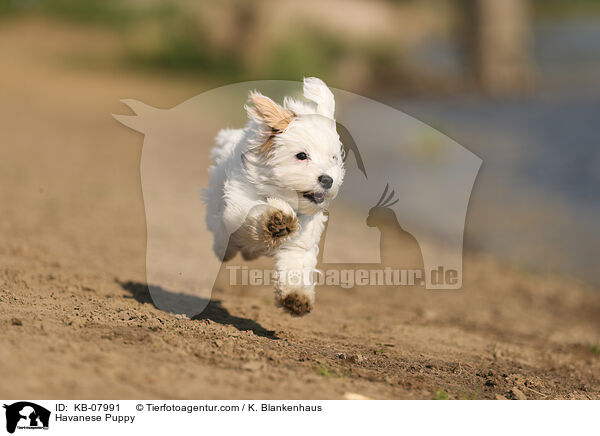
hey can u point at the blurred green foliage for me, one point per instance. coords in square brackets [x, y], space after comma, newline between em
[562, 8]
[311, 50]
[168, 35]
[181, 43]
[112, 13]
[7, 7]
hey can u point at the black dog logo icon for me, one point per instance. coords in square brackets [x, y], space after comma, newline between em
[24, 414]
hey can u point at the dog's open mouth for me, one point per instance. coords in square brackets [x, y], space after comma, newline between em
[315, 197]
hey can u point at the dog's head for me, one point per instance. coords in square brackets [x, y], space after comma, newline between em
[299, 150]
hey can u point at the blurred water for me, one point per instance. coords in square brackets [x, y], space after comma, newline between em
[567, 53]
[537, 198]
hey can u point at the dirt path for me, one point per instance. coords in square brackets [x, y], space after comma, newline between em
[77, 320]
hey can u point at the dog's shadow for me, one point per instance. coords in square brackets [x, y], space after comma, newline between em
[214, 311]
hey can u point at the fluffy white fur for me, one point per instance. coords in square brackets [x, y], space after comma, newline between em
[264, 200]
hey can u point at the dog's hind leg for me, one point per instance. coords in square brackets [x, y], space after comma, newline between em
[295, 288]
[296, 262]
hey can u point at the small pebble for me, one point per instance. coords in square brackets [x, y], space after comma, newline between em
[252, 366]
[356, 358]
[355, 396]
[517, 394]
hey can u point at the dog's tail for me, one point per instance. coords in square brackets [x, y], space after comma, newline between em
[225, 142]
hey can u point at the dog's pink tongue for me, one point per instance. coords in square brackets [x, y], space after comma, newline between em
[319, 197]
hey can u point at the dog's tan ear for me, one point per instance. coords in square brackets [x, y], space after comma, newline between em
[266, 110]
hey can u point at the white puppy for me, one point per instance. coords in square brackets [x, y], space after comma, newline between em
[272, 182]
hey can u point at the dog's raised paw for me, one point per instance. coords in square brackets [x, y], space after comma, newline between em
[297, 304]
[278, 225]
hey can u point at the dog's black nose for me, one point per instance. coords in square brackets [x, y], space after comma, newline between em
[325, 181]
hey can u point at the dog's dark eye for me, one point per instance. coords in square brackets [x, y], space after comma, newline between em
[301, 156]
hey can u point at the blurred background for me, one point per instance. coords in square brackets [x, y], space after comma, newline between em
[514, 81]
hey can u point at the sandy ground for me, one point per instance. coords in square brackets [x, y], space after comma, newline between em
[77, 320]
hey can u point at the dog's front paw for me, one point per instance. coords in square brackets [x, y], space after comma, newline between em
[278, 225]
[297, 304]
